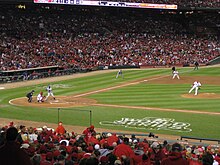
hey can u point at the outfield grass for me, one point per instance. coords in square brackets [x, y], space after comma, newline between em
[142, 94]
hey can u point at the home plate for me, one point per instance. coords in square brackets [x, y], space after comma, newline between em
[2, 87]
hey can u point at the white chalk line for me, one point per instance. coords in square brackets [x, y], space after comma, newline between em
[11, 101]
[158, 109]
[118, 86]
[105, 89]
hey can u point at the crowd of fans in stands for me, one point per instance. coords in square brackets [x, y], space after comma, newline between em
[86, 38]
[200, 3]
[47, 146]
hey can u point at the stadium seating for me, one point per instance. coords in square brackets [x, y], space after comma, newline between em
[52, 36]
[48, 146]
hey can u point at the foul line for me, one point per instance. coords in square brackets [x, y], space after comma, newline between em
[118, 86]
[106, 89]
[157, 109]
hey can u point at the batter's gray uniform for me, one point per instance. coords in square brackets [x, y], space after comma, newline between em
[50, 92]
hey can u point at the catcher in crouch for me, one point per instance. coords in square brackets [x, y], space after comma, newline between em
[40, 97]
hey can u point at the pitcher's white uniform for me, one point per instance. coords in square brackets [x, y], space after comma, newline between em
[50, 92]
[195, 86]
[176, 74]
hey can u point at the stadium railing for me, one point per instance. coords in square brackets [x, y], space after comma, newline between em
[200, 139]
[129, 134]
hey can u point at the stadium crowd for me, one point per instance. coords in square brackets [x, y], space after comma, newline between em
[200, 3]
[23, 145]
[91, 37]
[86, 38]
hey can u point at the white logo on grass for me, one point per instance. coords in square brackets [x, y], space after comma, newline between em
[150, 123]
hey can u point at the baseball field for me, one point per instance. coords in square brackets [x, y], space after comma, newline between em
[145, 100]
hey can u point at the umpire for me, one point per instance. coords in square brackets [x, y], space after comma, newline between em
[29, 96]
[196, 65]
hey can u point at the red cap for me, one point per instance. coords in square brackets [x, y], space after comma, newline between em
[49, 155]
[86, 155]
[11, 123]
[56, 153]
[90, 149]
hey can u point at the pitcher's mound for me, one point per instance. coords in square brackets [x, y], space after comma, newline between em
[202, 96]
[60, 101]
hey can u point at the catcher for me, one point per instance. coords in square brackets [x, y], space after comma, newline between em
[40, 97]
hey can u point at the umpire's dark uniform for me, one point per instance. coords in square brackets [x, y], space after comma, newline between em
[29, 96]
[196, 66]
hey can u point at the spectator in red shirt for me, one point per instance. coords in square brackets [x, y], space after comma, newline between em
[60, 130]
[89, 132]
[175, 157]
[124, 149]
[156, 154]
[111, 139]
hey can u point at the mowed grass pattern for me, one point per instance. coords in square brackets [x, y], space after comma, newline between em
[157, 95]
[141, 94]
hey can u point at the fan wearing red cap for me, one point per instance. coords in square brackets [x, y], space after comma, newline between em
[89, 132]
[60, 130]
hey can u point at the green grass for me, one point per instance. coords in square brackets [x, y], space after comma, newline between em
[142, 94]
[157, 95]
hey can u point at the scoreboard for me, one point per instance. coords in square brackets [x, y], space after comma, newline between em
[108, 3]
